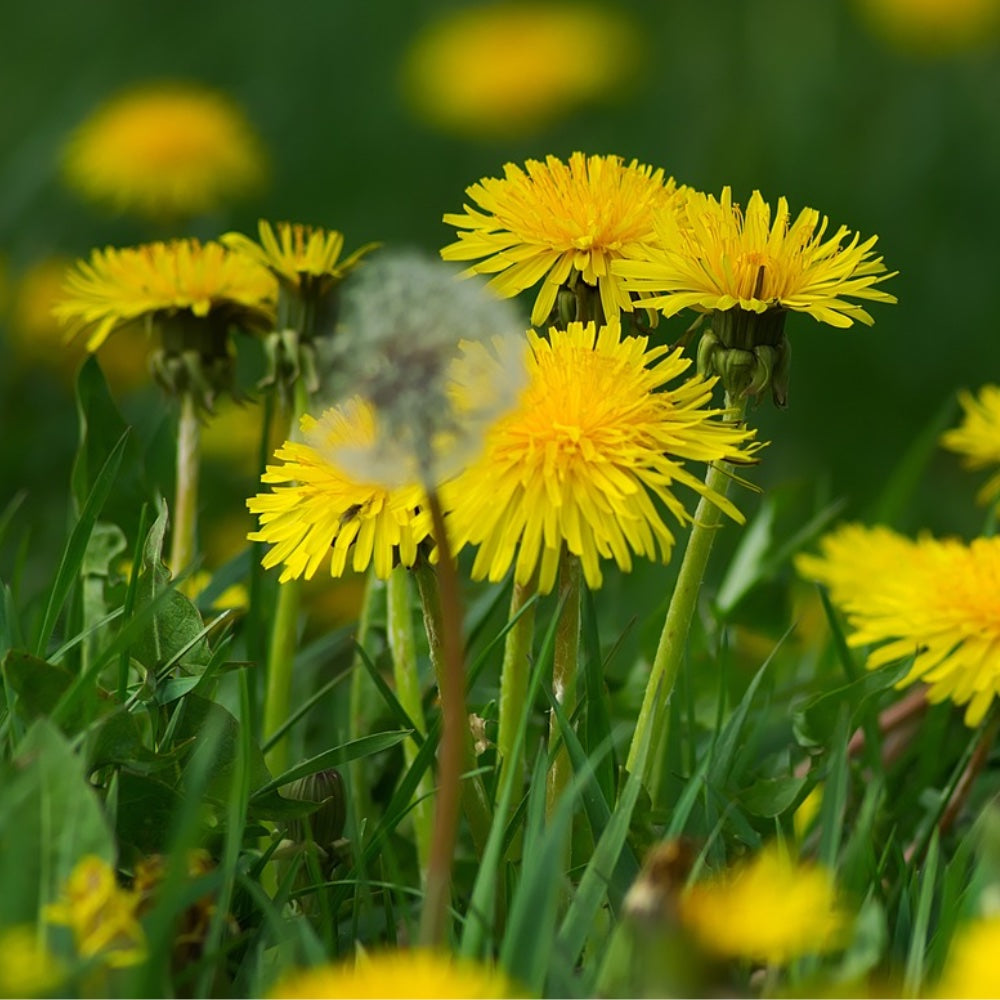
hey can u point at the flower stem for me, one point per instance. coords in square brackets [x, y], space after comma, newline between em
[361, 695]
[514, 677]
[399, 622]
[565, 661]
[183, 537]
[454, 733]
[284, 634]
[654, 713]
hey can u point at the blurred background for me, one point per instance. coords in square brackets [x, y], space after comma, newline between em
[374, 117]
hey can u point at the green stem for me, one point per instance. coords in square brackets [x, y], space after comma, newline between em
[402, 645]
[454, 729]
[515, 675]
[654, 713]
[565, 662]
[475, 804]
[284, 635]
[182, 541]
[361, 695]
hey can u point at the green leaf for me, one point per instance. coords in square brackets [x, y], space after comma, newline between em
[76, 547]
[147, 811]
[38, 684]
[121, 739]
[365, 746]
[50, 818]
[771, 797]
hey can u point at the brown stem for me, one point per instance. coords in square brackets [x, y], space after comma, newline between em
[976, 762]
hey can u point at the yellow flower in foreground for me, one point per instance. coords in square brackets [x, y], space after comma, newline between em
[318, 510]
[935, 600]
[978, 436]
[709, 256]
[116, 287]
[768, 909]
[583, 456]
[555, 220]
[934, 26]
[101, 914]
[389, 974]
[27, 968]
[165, 150]
[306, 258]
[509, 68]
[971, 969]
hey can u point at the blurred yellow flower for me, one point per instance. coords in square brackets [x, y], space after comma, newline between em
[581, 459]
[556, 223]
[768, 909]
[182, 277]
[977, 438]
[318, 510]
[417, 973]
[101, 915]
[711, 257]
[507, 69]
[165, 150]
[971, 969]
[232, 435]
[27, 967]
[933, 26]
[935, 600]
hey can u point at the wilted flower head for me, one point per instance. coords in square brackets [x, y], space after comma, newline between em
[412, 343]
[508, 68]
[977, 438]
[165, 150]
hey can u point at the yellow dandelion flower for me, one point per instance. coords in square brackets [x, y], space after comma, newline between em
[554, 221]
[933, 26]
[305, 258]
[710, 257]
[165, 150]
[317, 509]
[518, 65]
[978, 436]
[117, 286]
[416, 973]
[935, 600]
[101, 914]
[769, 909]
[27, 967]
[971, 969]
[583, 456]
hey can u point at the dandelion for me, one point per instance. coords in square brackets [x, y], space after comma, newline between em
[101, 915]
[416, 973]
[27, 967]
[585, 456]
[977, 439]
[165, 150]
[517, 66]
[318, 510]
[971, 969]
[769, 909]
[933, 26]
[560, 224]
[749, 271]
[934, 600]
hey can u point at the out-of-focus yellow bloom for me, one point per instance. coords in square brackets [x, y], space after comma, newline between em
[27, 968]
[508, 69]
[165, 150]
[937, 600]
[977, 438]
[388, 974]
[232, 435]
[933, 26]
[768, 909]
[971, 969]
[101, 914]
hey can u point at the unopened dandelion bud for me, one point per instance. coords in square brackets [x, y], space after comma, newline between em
[326, 825]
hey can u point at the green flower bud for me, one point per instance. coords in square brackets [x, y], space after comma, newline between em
[326, 825]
